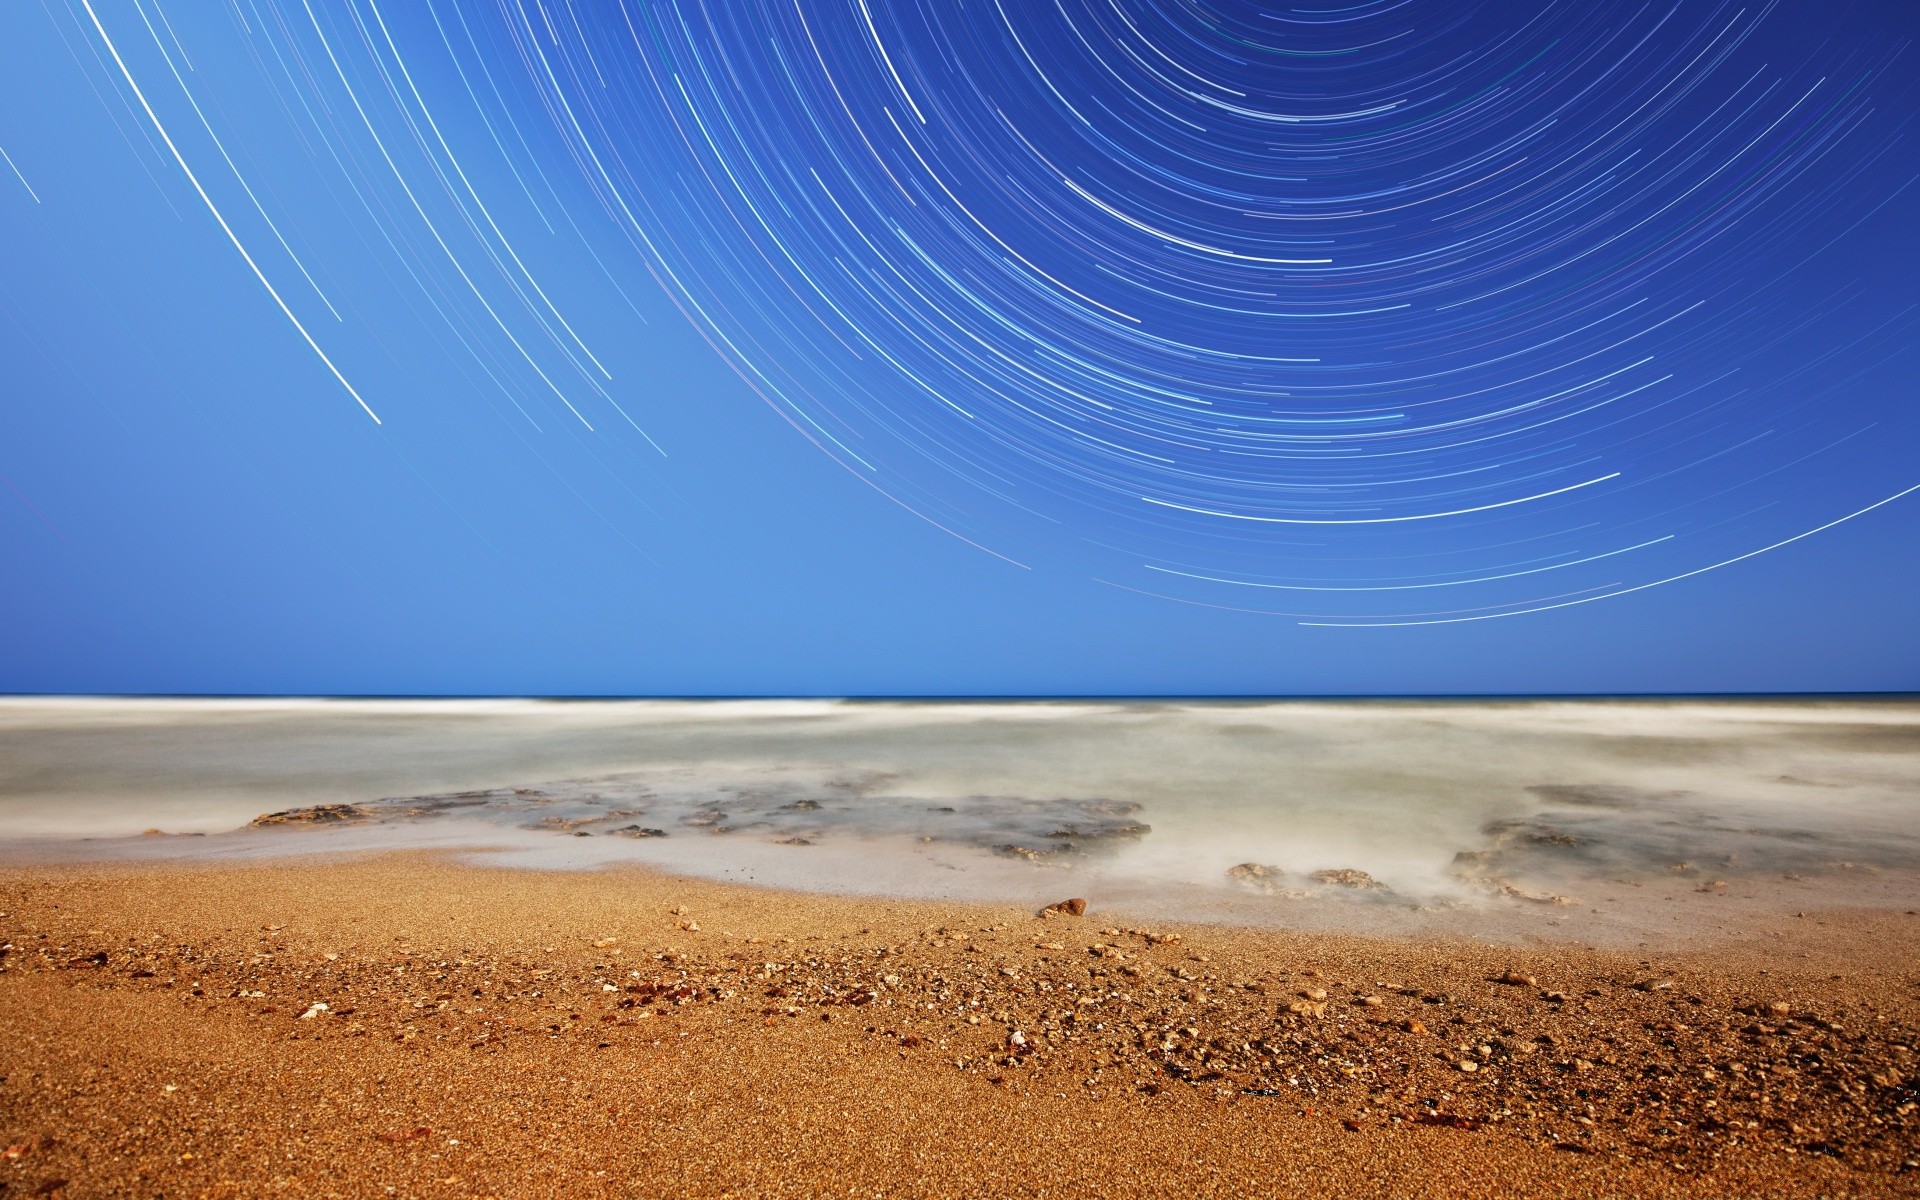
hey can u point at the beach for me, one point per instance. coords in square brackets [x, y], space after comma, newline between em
[414, 1024]
[809, 948]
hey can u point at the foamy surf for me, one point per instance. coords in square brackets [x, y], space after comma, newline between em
[1391, 814]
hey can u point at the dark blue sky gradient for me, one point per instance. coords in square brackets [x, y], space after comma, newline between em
[903, 347]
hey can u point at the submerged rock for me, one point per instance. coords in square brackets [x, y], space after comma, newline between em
[1034, 853]
[317, 814]
[1347, 877]
[1256, 876]
[1113, 829]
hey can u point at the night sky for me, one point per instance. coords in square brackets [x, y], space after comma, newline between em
[959, 346]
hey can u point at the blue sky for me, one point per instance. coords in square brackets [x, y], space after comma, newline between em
[1124, 348]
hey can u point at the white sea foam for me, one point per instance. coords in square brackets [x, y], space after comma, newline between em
[1444, 803]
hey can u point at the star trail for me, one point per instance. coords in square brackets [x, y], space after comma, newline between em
[1378, 313]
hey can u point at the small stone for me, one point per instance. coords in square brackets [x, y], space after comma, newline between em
[1075, 907]
[406, 1135]
[314, 1011]
[1347, 877]
[318, 814]
[1414, 1026]
[1314, 993]
[1369, 1001]
[1516, 979]
[1256, 876]
[1468, 1066]
[1654, 985]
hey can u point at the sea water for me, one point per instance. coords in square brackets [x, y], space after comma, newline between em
[1398, 813]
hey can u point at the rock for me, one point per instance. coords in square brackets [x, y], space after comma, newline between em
[1445, 1120]
[1110, 829]
[318, 814]
[1654, 985]
[1031, 853]
[1075, 907]
[1467, 1065]
[1307, 1008]
[1347, 877]
[1519, 893]
[1412, 1026]
[1256, 877]
[635, 831]
[315, 1010]
[1516, 978]
[1369, 1001]
[1313, 993]
[405, 1135]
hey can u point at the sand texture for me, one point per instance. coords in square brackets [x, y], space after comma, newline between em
[407, 1025]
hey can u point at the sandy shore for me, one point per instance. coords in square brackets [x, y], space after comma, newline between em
[404, 1025]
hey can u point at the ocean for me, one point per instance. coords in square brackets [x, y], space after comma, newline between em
[1605, 819]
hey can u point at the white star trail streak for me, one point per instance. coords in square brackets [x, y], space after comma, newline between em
[1359, 304]
[8, 159]
[213, 208]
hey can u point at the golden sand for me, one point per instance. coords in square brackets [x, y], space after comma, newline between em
[406, 1025]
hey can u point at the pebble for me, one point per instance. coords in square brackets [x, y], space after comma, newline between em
[1349, 878]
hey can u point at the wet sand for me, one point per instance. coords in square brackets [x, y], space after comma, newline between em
[493, 1032]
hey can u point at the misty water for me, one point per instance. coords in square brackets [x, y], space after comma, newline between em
[1596, 815]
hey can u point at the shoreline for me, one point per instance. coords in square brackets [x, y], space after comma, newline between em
[545, 1026]
[1686, 907]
